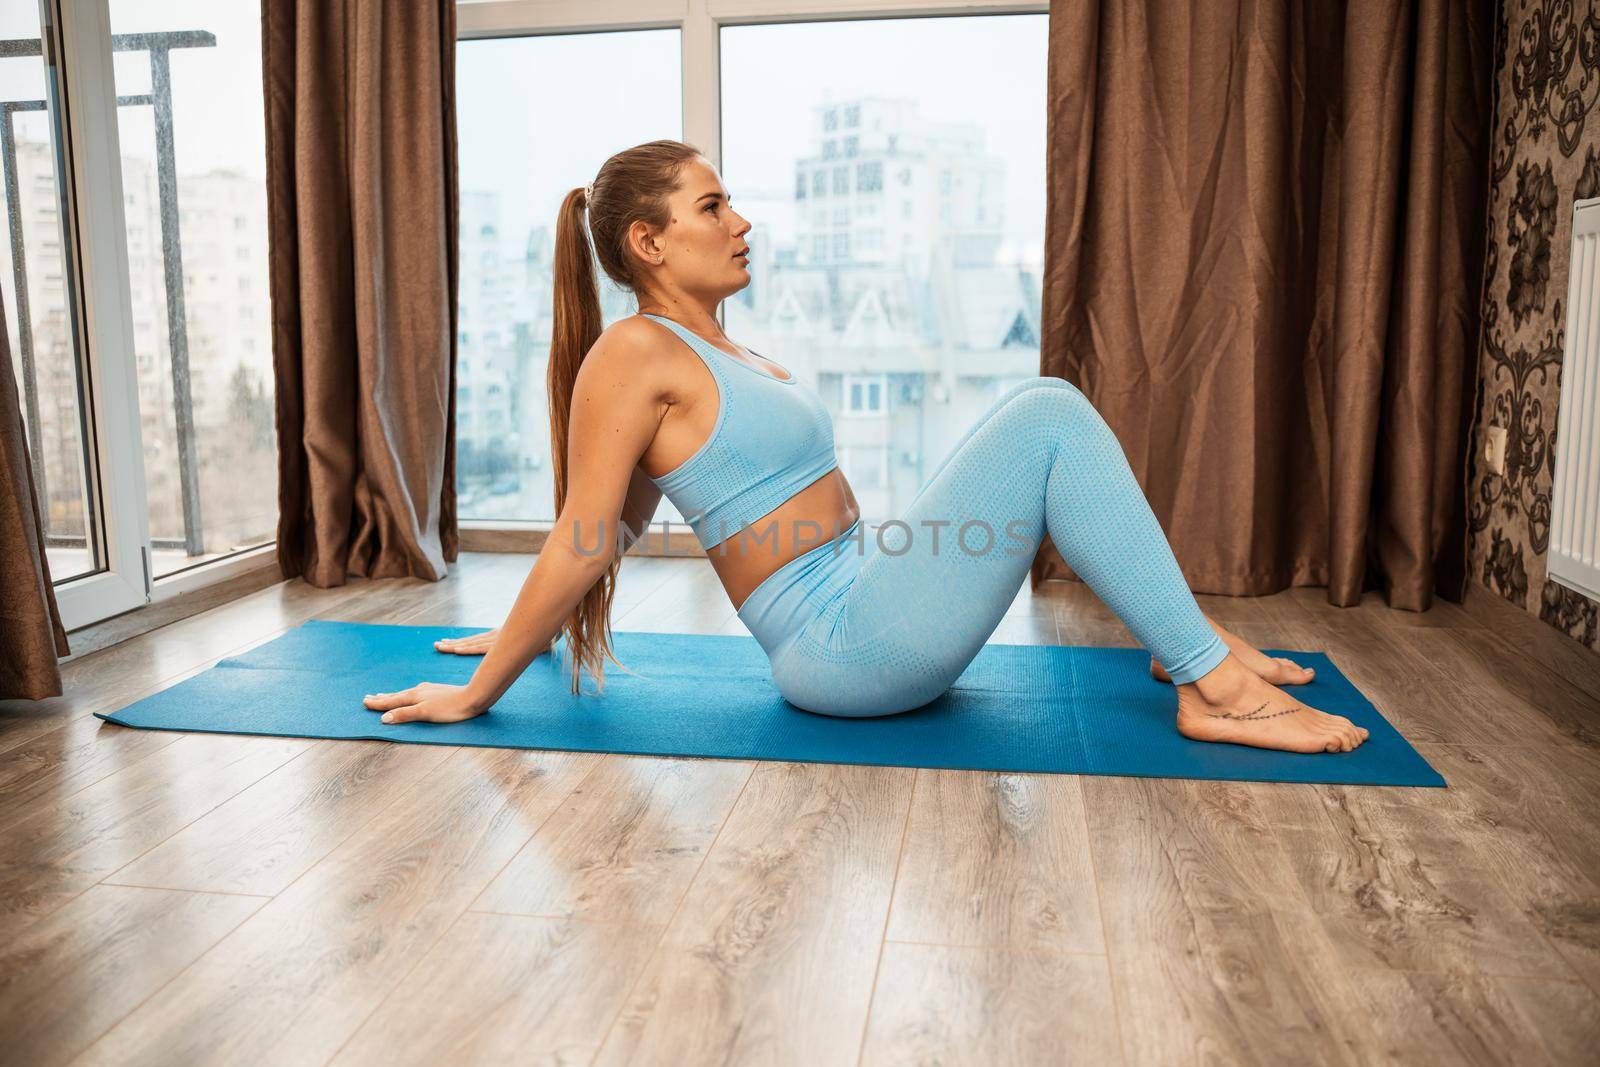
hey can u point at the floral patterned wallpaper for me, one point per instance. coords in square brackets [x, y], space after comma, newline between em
[1545, 153]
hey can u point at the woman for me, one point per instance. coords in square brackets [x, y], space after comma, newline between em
[853, 624]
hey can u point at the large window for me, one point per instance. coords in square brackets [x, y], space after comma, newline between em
[898, 300]
[893, 172]
[519, 156]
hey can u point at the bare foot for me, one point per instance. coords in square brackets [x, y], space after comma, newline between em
[471, 645]
[1275, 669]
[1234, 704]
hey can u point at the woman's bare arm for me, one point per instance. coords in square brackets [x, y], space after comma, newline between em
[644, 496]
[616, 406]
[618, 399]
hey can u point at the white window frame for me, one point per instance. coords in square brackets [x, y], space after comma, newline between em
[700, 23]
[94, 202]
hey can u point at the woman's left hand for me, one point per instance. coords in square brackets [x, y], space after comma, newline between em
[425, 702]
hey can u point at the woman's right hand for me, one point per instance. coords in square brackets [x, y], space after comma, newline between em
[471, 645]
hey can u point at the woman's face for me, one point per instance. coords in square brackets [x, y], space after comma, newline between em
[698, 254]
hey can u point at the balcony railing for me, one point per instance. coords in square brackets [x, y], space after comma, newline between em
[158, 46]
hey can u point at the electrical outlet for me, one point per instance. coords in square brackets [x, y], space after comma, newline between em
[1494, 452]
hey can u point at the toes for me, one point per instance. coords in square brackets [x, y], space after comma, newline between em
[1292, 671]
[1338, 740]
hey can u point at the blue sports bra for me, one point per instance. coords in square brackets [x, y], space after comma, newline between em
[772, 438]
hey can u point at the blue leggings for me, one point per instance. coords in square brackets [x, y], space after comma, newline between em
[873, 625]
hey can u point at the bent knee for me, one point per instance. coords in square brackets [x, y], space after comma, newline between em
[1038, 383]
[1052, 402]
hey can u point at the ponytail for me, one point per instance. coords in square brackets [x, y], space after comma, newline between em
[633, 185]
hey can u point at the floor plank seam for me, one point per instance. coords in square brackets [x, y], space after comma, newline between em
[19, 811]
[378, 811]
[624, 923]
[248, 785]
[1369, 1035]
[451, 925]
[229, 932]
[1509, 892]
[1020, 950]
[1475, 972]
[357, 828]
[1518, 745]
[888, 915]
[184, 889]
[41, 916]
[1105, 934]
[644, 969]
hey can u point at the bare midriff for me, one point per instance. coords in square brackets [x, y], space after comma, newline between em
[815, 515]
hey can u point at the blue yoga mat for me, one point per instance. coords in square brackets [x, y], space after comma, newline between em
[1020, 708]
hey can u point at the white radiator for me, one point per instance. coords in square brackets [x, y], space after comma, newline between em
[1574, 558]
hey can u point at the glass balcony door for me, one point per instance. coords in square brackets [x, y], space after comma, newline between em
[135, 291]
[192, 151]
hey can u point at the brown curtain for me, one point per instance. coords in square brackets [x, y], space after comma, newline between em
[363, 201]
[1264, 247]
[31, 636]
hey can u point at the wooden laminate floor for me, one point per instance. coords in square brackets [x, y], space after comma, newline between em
[169, 898]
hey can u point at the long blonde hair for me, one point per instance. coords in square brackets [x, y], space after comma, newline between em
[633, 185]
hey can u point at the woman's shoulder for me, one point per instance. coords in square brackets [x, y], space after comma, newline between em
[632, 350]
[632, 327]
[638, 335]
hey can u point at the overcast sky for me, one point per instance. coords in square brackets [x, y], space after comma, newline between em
[539, 115]
[214, 89]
